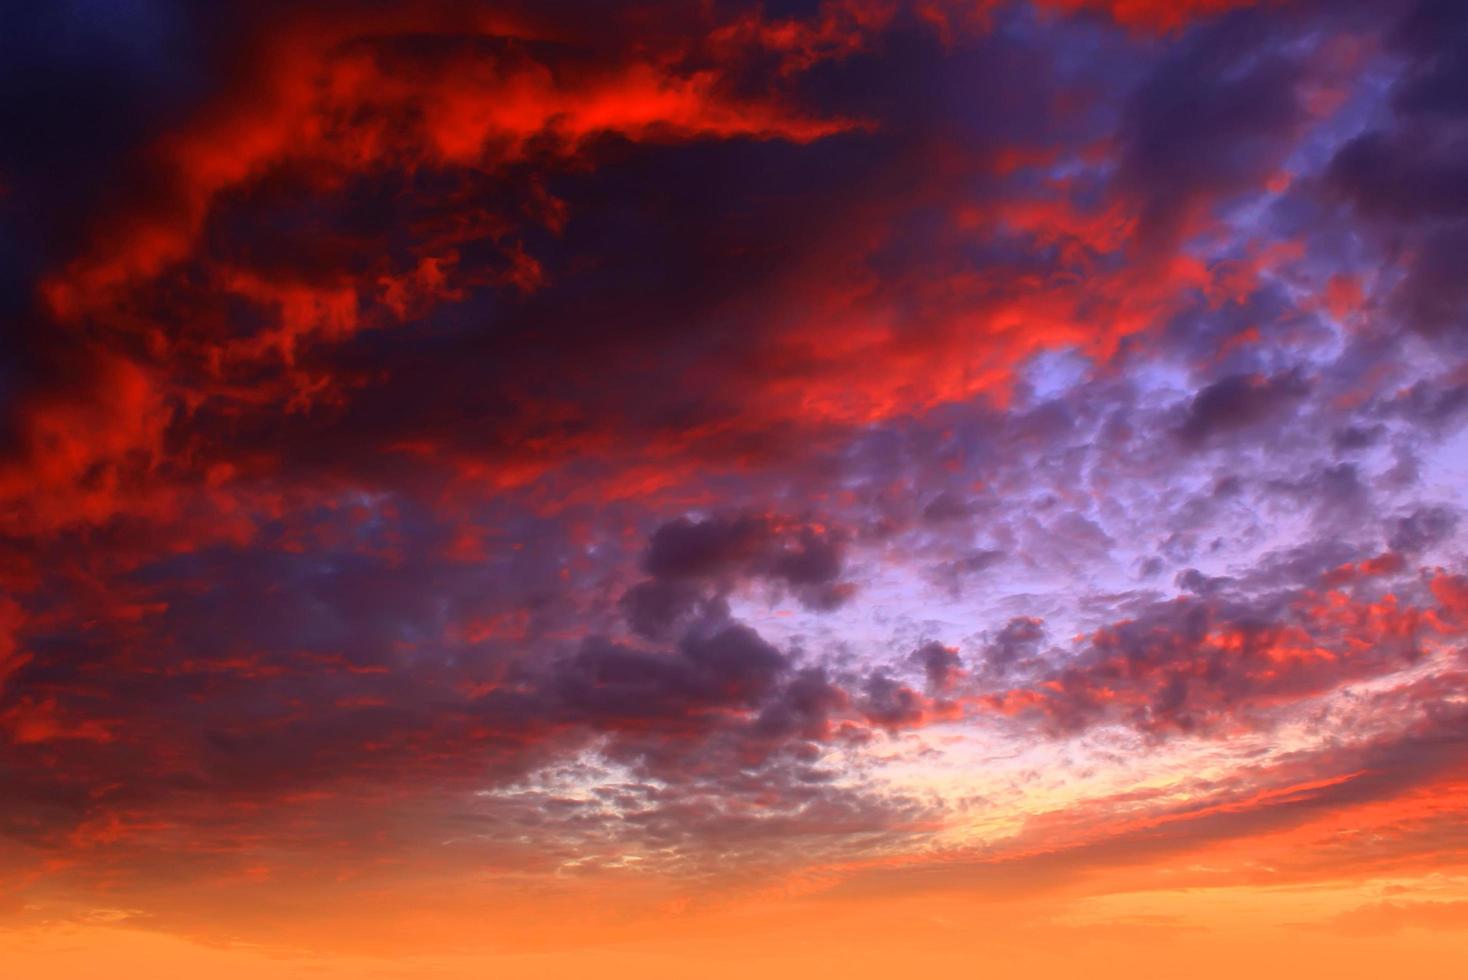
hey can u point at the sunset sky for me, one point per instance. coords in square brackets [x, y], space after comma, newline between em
[852, 488]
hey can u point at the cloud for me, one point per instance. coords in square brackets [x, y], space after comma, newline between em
[1154, 14]
[731, 666]
[1384, 918]
[1227, 657]
[1404, 174]
[805, 558]
[941, 665]
[1422, 528]
[1214, 120]
[1238, 402]
[686, 437]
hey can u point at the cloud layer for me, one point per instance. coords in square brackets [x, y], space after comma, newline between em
[729, 446]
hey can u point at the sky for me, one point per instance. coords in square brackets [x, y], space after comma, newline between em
[708, 488]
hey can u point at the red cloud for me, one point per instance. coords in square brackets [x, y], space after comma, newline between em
[1195, 664]
[1148, 16]
[82, 446]
[345, 96]
[1152, 15]
[28, 721]
[322, 104]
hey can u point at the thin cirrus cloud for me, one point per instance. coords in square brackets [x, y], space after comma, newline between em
[691, 471]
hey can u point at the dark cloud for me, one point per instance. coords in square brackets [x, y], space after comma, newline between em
[1422, 529]
[1239, 402]
[653, 608]
[1212, 121]
[727, 665]
[1433, 296]
[1407, 174]
[890, 704]
[1015, 643]
[804, 708]
[806, 559]
[1404, 175]
[941, 665]
[687, 548]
